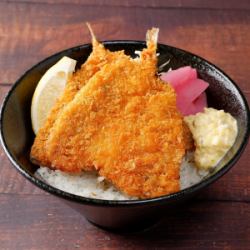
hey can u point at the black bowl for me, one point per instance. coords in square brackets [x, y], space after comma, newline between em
[17, 135]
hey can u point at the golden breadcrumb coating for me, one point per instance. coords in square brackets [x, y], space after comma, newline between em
[99, 57]
[188, 138]
[125, 123]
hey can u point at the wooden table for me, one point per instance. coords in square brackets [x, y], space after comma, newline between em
[219, 218]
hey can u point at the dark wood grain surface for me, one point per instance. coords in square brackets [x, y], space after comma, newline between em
[219, 218]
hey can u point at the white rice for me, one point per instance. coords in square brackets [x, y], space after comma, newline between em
[88, 184]
[189, 173]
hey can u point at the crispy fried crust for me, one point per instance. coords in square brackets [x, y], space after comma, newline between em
[99, 57]
[188, 138]
[125, 123]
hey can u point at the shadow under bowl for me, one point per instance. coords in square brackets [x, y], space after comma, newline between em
[17, 135]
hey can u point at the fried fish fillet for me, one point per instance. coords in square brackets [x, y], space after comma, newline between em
[125, 123]
[99, 57]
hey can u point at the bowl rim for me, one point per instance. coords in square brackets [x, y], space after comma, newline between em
[124, 203]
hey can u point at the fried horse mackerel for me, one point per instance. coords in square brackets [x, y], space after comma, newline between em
[123, 122]
[99, 57]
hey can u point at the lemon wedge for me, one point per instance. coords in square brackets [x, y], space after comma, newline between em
[48, 89]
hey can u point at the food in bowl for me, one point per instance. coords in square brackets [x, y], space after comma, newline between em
[17, 137]
[118, 118]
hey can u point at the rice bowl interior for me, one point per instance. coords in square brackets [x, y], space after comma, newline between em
[89, 184]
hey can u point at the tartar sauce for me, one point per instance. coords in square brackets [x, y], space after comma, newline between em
[214, 132]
